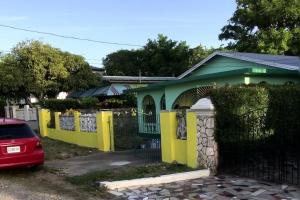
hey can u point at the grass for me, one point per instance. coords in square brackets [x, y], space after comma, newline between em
[89, 179]
[55, 149]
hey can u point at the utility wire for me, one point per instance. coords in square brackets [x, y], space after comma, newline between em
[70, 37]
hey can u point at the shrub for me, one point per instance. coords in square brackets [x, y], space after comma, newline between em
[89, 102]
[249, 110]
[112, 103]
[60, 105]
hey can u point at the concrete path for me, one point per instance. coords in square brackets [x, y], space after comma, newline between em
[226, 187]
[94, 162]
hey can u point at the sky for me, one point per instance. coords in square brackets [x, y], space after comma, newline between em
[122, 21]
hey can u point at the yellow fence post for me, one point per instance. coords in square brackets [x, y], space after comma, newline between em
[168, 124]
[77, 121]
[57, 121]
[105, 131]
[44, 118]
[192, 153]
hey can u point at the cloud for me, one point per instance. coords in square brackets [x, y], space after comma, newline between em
[13, 18]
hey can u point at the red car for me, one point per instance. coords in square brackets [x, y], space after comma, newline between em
[19, 145]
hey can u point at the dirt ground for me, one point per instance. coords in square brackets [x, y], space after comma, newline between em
[49, 182]
[39, 185]
[80, 165]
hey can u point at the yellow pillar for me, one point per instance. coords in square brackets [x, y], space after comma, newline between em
[168, 124]
[192, 153]
[44, 118]
[105, 131]
[77, 121]
[57, 121]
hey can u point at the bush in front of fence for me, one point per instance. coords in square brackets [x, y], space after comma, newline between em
[60, 105]
[256, 108]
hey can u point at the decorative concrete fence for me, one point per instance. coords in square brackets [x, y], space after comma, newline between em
[67, 122]
[198, 148]
[88, 122]
[88, 130]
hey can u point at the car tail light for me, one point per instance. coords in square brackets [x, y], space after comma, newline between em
[38, 144]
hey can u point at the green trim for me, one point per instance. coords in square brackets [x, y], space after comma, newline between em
[246, 71]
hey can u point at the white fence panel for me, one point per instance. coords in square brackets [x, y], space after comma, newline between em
[67, 122]
[20, 114]
[88, 122]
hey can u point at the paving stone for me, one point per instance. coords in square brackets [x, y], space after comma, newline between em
[178, 190]
[222, 187]
[258, 192]
[133, 197]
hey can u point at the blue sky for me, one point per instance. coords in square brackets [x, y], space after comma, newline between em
[125, 21]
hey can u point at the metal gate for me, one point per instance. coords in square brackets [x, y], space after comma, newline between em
[127, 137]
[251, 147]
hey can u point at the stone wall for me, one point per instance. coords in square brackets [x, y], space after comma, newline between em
[207, 147]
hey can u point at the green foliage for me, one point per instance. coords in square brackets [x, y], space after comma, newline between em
[199, 53]
[36, 68]
[11, 79]
[60, 105]
[265, 26]
[239, 100]
[284, 109]
[123, 62]
[112, 103]
[159, 57]
[89, 102]
[239, 109]
[165, 57]
[250, 110]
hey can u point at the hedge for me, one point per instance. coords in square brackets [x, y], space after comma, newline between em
[240, 110]
[61, 105]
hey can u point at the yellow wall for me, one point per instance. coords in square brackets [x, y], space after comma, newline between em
[74, 137]
[102, 139]
[173, 149]
[44, 119]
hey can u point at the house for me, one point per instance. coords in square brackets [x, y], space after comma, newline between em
[116, 85]
[218, 69]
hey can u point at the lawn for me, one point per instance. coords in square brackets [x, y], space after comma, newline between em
[55, 149]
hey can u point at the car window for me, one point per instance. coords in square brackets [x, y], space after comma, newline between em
[15, 131]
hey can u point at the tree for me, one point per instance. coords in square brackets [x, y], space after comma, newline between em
[165, 57]
[159, 57]
[80, 74]
[199, 53]
[264, 26]
[11, 80]
[44, 71]
[124, 62]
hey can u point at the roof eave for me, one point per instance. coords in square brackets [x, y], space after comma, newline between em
[272, 64]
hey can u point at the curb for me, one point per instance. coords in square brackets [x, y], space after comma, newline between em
[156, 180]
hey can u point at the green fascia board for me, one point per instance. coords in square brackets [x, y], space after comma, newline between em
[246, 71]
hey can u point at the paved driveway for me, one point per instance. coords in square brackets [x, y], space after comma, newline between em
[94, 162]
[226, 187]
